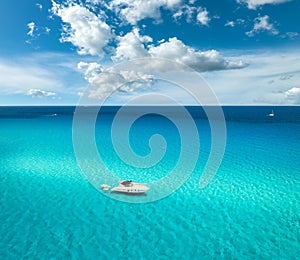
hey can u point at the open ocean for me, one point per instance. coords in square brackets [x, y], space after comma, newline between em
[250, 210]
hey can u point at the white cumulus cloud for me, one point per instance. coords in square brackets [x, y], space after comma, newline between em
[133, 11]
[293, 95]
[202, 17]
[253, 4]
[104, 81]
[261, 24]
[186, 11]
[192, 14]
[176, 50]
[36, 92]
[83, 28]
[131, 46]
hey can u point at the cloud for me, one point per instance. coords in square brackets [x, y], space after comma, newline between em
[31, 27]
[94, 33]
[293, 95]
[185, 11]
[202, 17]
[133, 11]
[262, 24]
[235, 23]
[35, 31]
[51, 71]
[86, 31]
[288, 97]
[253, 4]
[21, 76]
[230, 24]
[290, 35]
[103, 81]
[176, 50]
[90, 70]
[192, 14]
[131, 46]
[36, 92]
[83, 29]
[260, 82]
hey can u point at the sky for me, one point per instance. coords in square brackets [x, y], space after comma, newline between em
[54, 52]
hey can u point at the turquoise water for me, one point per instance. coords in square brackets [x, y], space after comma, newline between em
[250, 209]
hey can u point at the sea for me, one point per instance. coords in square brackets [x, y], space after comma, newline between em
[50, 208]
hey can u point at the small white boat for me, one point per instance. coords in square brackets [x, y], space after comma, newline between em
[271, 114]
[130, 187]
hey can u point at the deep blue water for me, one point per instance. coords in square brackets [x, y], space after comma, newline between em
[250, 210]
[232, 113]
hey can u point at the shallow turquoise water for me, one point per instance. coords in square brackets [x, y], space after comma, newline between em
[250, 209]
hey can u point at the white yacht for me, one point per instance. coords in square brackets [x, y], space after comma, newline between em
[271, 114]
[130, 187]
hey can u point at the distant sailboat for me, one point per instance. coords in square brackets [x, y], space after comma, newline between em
[271, 114]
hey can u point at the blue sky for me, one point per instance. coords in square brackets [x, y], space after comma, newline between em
[51, 51]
